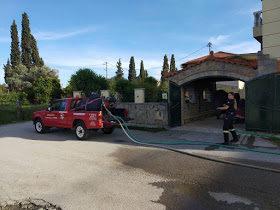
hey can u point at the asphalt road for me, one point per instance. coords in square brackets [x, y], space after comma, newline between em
[110, 172]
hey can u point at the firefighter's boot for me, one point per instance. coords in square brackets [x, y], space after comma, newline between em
[234, 135]
[226, 138]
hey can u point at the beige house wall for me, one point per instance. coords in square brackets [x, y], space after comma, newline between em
[271, 28]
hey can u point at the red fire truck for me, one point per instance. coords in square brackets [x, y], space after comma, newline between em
[82, 114]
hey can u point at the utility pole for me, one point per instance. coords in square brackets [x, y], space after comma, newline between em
[106, 70]
[209, 45]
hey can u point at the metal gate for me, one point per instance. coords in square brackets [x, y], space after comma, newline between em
[263, 103]
[175, 104]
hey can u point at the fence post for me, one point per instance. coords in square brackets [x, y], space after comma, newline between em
[139, 95]
[18, 108]
[105, 93]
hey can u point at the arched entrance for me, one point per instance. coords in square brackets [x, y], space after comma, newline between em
[196, 83]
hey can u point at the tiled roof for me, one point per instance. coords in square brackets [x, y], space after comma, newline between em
[218, 57]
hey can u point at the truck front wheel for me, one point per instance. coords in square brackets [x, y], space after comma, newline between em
[108, 130]
[81, 130]
[39, 126]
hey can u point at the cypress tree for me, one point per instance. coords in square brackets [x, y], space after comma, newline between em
[25, 41]
[165, 68]
[119, 71]
[35, 58]
[142, 70]
[146, 73]
[131, 70]
[42, 63]
[15, 51]
[172, 64]
[8, 72]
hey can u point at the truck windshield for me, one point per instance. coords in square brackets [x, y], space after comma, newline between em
[58, 105]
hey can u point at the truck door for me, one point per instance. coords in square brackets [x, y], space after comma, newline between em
[62, 117]
[51, 117]
[65, 113]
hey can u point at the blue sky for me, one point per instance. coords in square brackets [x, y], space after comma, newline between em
[74, 34]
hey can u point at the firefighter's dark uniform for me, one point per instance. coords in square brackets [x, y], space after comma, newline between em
[228, 122]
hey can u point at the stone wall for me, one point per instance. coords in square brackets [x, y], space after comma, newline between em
[266, 65]
[151, 114]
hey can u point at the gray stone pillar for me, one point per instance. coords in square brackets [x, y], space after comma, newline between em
[105, 93]
[139, 95]
[77, 94]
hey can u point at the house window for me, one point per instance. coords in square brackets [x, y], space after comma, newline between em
[207, 95]
[190, 95]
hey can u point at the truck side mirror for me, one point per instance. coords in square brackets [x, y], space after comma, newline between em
[49, 109]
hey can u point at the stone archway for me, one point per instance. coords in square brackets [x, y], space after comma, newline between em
[202, 75]
[213, 69]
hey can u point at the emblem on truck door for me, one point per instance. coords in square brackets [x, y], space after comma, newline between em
[62, 116]
[92, 117]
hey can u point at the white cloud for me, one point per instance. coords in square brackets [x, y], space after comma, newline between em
[241, 47]
[218, 40]
[248, 11]
[69, 60]
[60, 35]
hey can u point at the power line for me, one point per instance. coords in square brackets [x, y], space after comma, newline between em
[88, 65]
[193, 52]
[208, 45]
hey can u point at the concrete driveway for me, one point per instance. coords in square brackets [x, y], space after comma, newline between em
[110, 172]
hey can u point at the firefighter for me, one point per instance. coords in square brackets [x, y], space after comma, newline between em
[230, 108]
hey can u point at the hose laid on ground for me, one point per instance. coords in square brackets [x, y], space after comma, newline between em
[152, 144]
[192, 143]
[258, 134]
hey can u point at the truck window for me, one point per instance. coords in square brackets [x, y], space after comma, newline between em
[62, 105]
[73, 104]
[55, 106]
[59, 105]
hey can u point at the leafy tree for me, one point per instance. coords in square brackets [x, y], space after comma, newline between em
[57, 91]
[68, 91]
[151, 80]
[15, 51]
[16, 78]
[151, 88]
[119, 71]
[3, 89]
[25, 41]
[125, 88]
[88, 81]
[165, 68]
[172, 64]
[43, 89]
[142, 71]
[36, 72]
[35, 58]
[131, 70]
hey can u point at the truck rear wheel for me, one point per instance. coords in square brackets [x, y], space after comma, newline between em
[108, 130]
[81, 131]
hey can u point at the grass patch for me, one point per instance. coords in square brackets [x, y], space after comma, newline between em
[274, 140]
[153, 130]
[8, 112]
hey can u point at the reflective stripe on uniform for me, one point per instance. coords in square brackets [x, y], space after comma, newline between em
[232, 129]
[225, 131]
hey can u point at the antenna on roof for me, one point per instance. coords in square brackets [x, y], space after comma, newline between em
[209, 45]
